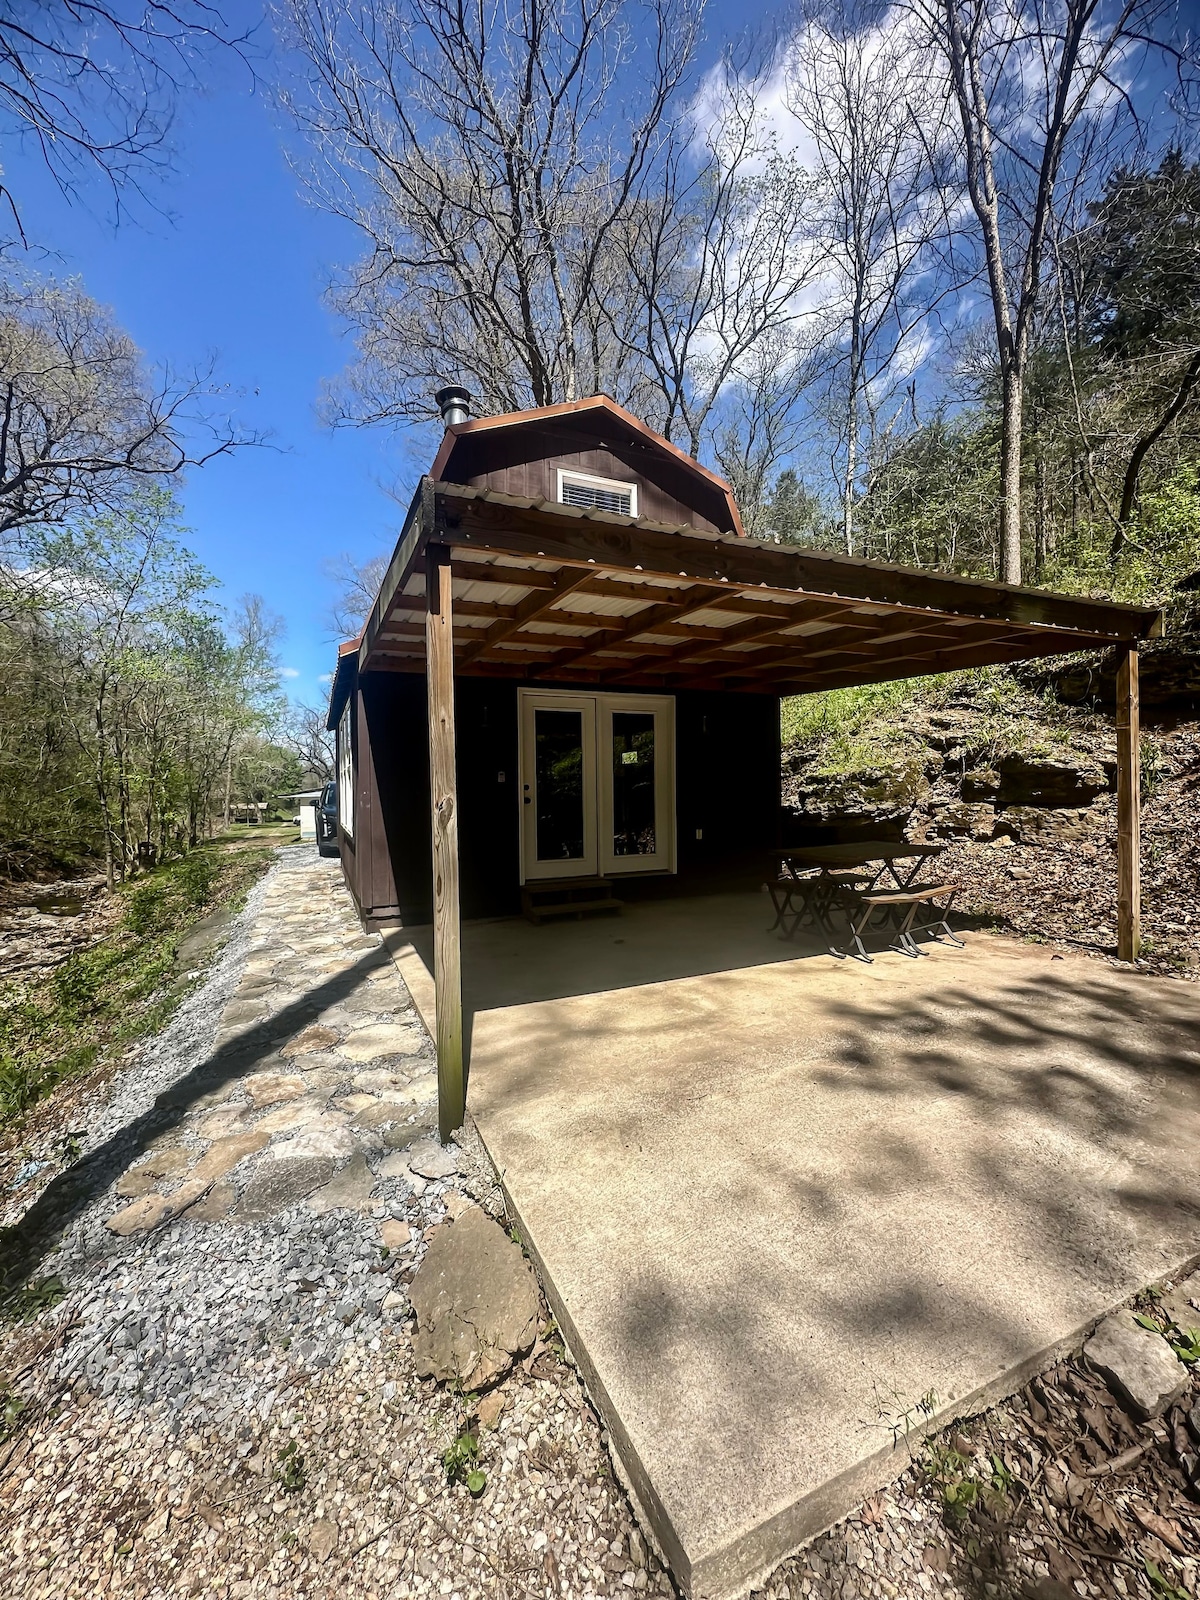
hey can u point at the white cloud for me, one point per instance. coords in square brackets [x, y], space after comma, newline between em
[288, 672]
[326, 677]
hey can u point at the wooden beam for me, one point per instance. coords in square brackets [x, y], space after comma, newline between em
[1129, 770]
[466, 519]
[443, 794]
[481, 572]
[630, 627]
[532, 606]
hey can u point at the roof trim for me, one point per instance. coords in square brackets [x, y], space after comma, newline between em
[595, 402]
[343, 680]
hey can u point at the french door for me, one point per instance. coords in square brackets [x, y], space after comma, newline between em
[597, 784]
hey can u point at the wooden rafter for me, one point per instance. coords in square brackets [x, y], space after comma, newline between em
[532, 606]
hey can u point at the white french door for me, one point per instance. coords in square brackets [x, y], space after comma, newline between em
[597, 784]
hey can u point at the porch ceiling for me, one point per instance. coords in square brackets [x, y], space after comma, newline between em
[549, 591]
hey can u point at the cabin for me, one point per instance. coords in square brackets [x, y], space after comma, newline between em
[567, 692]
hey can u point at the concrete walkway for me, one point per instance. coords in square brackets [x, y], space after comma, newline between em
[789, 1209]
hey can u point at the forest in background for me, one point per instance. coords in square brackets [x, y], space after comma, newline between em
[135, 710]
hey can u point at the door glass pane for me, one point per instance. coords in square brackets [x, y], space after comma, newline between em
[633, 783]
[558, 784]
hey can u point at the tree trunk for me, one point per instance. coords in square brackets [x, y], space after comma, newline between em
[1010, 473]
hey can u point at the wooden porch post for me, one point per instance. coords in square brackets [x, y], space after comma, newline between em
[1129, 863]
[447, 955]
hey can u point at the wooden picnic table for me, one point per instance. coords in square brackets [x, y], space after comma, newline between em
[814, 880]
[882, 853]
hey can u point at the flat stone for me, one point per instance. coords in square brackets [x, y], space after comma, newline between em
[323, 1538]
[215, 1206]
[396, 1235]
[1182, 1303]
[238, 1013]
[328, 1137]
[224, 1154]
[152, 1209]
[489, 1408]
[395, 1166]
[278, 1184]
[219, 1124]
[456, 1205]
[287, 1118]
[1140, 1365]
[354, 1104]
[314, 1038]
[141, 1216]
[382, 1039]
[166, 1163]
[476, 1303]
[269, 1088]
[135, 1183]
[348, 1190]
[377, 1080]
[379, 1114]
[430, 1160]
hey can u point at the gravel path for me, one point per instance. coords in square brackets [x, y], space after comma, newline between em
[224, 1402]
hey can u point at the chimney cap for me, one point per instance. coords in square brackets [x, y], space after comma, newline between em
[453, 402]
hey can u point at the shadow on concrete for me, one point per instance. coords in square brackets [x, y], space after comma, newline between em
[780, 1203]
[23, 1245]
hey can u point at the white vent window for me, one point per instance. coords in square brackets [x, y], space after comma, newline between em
[597, 494]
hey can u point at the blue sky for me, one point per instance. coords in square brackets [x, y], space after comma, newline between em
[236, 270]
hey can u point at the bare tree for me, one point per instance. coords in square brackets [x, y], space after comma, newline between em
[873, 120]
[1033, 79]
[82, 422]
[356, 583]
[492, 157]
[720, 258]
[304, 733]
[93, 82]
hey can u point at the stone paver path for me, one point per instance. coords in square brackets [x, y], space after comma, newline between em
[225, 1400]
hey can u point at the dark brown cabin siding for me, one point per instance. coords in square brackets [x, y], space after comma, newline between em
[727, 786]
[525, 460]
[367, 861]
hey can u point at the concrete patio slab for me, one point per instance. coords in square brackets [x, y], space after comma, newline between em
[788, 1209]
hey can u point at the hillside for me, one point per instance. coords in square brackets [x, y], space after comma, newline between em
[1021, 786]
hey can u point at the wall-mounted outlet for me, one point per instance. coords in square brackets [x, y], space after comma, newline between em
[499, 777]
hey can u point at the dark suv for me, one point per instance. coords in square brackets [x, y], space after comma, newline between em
[327, 839]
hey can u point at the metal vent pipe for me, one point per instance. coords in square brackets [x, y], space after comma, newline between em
[454, 403]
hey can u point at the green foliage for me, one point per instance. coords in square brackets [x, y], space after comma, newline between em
[961, 1488]
[864, 728]
[32, 1298]
[1161, 1586]
[460, 1462]
[291, 1472]
[121, 988]
[14, 1409]
[127, 700]
[1163, 547]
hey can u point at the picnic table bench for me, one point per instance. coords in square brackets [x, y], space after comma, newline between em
[815, 881]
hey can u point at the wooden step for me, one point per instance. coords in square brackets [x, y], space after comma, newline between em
[567, 897]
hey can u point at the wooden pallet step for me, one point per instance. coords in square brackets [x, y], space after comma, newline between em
[571, 908]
